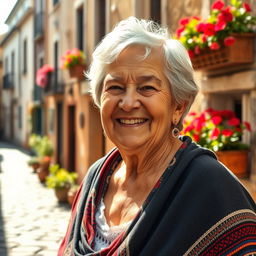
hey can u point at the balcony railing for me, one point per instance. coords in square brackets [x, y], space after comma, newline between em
[8, 81]
[39, 24]
[55, 84]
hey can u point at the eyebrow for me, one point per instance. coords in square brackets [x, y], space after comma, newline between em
[140, 79]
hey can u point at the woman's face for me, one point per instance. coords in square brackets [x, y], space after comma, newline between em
[136, 102]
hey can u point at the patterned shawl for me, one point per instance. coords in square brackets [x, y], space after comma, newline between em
[197, 207]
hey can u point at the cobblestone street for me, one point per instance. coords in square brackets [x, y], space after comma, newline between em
[31, 220]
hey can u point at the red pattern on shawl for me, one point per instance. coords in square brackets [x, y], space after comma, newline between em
[90, 210]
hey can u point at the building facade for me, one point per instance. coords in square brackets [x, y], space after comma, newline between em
[65, 111]
[17, 76]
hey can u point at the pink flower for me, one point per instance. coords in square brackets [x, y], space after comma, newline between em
[217, 5]
[234, 121]
[215, 133]
[220, 25]
[214, 46]
[247, 7]
[227, 132]
[229, 40]
[184, 21]
[216, 120]
[179, 31]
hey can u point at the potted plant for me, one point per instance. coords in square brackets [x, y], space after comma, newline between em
[43, 75]
[43, 148]
[74, 61]
[221, 131]
[34, 162]
[61, 180]
[217, 41]
[72, 193]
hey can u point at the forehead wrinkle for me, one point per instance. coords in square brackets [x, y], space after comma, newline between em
[138, 79]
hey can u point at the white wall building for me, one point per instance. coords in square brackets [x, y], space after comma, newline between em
[18, 70]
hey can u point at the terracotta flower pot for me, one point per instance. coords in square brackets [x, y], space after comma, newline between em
[77, 71]
[43, 171]
[62, 194]
[236, 161]
[241, 52]
[71, 196]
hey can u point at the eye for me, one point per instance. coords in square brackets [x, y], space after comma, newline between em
[114, 87]
[147, 88]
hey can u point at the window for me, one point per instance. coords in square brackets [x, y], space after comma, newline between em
[155, 10]
[55, 2]
[6, 65]
[12, 62]
[100, 14]
[20, 117]
[80, 28]
[25, 56]
[56, 61]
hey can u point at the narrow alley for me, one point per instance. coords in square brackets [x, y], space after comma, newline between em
[31, 220]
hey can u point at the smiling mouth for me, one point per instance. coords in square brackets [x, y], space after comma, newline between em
[132, 121]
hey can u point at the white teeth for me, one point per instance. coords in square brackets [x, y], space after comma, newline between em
[132, 121]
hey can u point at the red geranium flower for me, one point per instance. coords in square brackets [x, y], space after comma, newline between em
[200, 27]
[179, 31]
[220, 25]
[227, 132]
[214, 46]
[247, 7]
[248, 126]
[215, 133]
[229, 40]
[197, 50]
[225, 16]
[184, 21]
[191, 54]
[209, 29]
[227, 114]
[196, 137]
[216, 120]
[217, 5]
[234, 121]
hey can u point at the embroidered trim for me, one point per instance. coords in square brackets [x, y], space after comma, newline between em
[69, 249]
[238, 222]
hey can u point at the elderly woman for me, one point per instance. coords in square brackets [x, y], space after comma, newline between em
[156, 193]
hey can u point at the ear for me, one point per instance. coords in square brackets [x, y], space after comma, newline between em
[178, 112]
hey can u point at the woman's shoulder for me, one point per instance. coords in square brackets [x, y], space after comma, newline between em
[218, 182]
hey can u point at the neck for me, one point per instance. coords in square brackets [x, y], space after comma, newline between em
[148, 160]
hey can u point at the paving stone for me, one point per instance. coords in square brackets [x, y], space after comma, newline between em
[31, 220]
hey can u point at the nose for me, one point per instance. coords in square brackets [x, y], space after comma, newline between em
[129, 100]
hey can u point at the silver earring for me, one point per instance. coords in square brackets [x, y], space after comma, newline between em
[175, 131]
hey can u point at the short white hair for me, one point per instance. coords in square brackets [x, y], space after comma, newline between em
[178, 68]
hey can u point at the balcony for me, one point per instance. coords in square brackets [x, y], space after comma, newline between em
[39, 25]
[8, 81]
[55, 84]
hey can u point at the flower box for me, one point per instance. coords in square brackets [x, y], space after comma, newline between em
[236, 161]
[241, 52]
